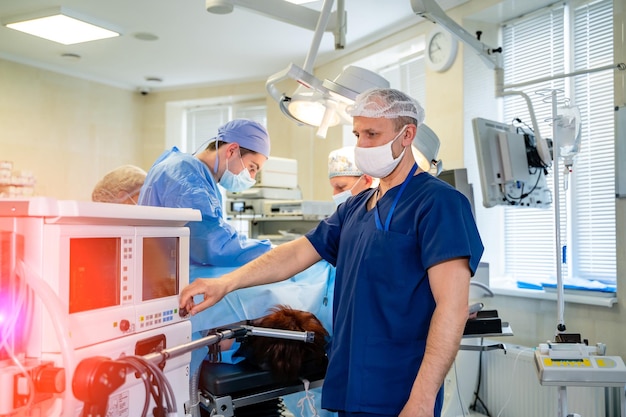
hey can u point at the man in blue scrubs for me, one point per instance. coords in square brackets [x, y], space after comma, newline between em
[404, 255]
[231, 159]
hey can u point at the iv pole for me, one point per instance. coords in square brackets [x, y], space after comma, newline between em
[562, 390]
[560, 327]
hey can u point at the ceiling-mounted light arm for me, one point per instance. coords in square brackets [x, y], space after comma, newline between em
[293, 14]
[322, 23]
[317, 103]
[304, 75]
[341, 26]
[292, 72]
[430, 10]
[283, 11]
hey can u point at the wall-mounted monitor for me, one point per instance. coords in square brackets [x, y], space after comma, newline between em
[511, 171]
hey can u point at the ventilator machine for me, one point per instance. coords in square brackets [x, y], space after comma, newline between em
[84, 280]
[90, 319]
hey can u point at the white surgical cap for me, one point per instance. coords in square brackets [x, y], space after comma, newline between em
[127, 179]
[388, 103]
[341, 163]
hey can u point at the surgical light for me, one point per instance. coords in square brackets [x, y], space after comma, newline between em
[425, 149]
[309, 104]
[312, 103]
[322, 103]
[306, 106]
[60, 25]
[351, 82]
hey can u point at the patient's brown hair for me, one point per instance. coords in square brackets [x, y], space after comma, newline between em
[285, 358]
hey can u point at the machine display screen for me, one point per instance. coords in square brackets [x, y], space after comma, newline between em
[94, 273]
[160, 267]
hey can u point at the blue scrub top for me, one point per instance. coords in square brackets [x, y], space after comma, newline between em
[382, 300]
[180, 180]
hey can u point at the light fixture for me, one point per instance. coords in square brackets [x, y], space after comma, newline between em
[219, 6]
[351, 82]
[68, 56]
[308, 89]
[307, 106]
[311, 102]
[321, 103]
[292, 12]
[59, 25]
[425, 149]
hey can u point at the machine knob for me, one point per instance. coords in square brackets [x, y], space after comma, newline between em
[50, 379]
[124, 325]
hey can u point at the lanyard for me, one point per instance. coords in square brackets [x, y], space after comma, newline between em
[379, 225]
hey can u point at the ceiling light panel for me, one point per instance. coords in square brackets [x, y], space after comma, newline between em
[60, 25]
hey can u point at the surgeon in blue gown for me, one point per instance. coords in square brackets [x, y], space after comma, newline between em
[404, 255]
[178, 179]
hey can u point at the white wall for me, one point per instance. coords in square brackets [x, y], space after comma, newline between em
[68, 132]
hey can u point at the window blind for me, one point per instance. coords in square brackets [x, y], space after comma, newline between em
[535, 47]
[202, 122]
[593, 215]
[408, 75]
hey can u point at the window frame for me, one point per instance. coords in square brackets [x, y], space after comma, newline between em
[495, 233]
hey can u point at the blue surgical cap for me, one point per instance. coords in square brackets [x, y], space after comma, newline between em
[248, 134]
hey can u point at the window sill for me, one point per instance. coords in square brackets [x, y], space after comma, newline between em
[512, 291]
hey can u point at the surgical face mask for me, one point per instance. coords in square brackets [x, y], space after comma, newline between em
[378, 161]
[237, 183]
[344, 195]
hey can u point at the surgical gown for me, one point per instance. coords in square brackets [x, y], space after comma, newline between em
[180, 180]
[382, 299]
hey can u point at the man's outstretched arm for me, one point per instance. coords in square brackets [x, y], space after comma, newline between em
[278, 264]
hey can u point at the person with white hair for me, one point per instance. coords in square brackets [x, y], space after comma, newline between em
[404, 254]
[120, 185]
[345, 178]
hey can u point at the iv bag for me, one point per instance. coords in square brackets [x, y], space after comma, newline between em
[567, 131]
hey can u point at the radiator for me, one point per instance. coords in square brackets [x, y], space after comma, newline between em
[510, 388]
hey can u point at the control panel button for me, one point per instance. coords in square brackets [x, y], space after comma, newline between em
[124, 325]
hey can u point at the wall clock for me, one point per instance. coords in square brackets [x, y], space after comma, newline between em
[441, 49]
